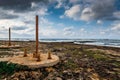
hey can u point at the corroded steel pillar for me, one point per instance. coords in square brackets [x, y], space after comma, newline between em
[37, 39]
[9, 44]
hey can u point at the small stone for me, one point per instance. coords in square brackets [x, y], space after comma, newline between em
[50, 69]
[65, 71]
[22, 77]
[89, 70]
[35, 75]
[15, 75]
[58, 78]
[94, 76]
[15, 79]
[5, 79]
[77, 71]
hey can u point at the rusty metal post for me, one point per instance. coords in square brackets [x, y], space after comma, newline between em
[9, 44]
[49, 55]
[36, 36]
[25, 53]
[38, 57]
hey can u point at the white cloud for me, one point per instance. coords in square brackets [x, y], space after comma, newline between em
[117, 14]
[62, 16]
[76, 12]
[42, 11]
[68, 31]
[26, 19]
[102, 32]
[48, 32]
[11, 23]
[82, 32]
[45, 21]
[87, 14]
[33, 5]
[73, 12]
[116, 27]
[92, 10]
[74, 1]
[60, 2]
[99, 22]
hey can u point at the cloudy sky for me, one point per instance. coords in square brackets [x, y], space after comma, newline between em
[61, 18]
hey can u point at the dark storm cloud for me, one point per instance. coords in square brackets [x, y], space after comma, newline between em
[28, 22]
[103, 8]
[96, 9]
[19, 5]
[7, 16]
[19, 28]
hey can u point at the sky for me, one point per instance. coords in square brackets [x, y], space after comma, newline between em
[72, 19]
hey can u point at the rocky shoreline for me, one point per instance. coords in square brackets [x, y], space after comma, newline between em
[77, 62]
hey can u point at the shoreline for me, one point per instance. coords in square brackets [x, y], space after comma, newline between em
[84, 42]
[72, 42]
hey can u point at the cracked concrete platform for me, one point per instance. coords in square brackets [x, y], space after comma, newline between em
[32, 62]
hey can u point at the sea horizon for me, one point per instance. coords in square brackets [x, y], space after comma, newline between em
[98, 42]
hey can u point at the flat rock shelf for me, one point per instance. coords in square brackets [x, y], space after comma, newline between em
[32, 62]
[12, 46]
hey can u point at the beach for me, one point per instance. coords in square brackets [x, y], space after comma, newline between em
[77, 62]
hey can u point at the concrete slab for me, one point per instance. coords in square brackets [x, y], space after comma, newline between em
[32, 62]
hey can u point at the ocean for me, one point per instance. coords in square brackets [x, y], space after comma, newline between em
[99, 42]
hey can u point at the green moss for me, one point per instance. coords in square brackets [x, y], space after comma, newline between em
[96, 54]
[116, 63]
[5, 49]
[6, 68]
[100, 57]
[70, 64]
[9, 68]
[89, 53]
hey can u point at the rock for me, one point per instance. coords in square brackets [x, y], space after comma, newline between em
[5, 79]
[65, 71]
[77, 71]
[22, 76]
[89, 70]
[29, 75]
[16, 75]
[49, 77]
[15, 79]
[94, 76]
[80, 78]
[35, 75]
[58, 78]
[50, 69]
[67, 74]
[26, 73]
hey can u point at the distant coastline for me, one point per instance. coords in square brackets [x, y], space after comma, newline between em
[97, 42]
